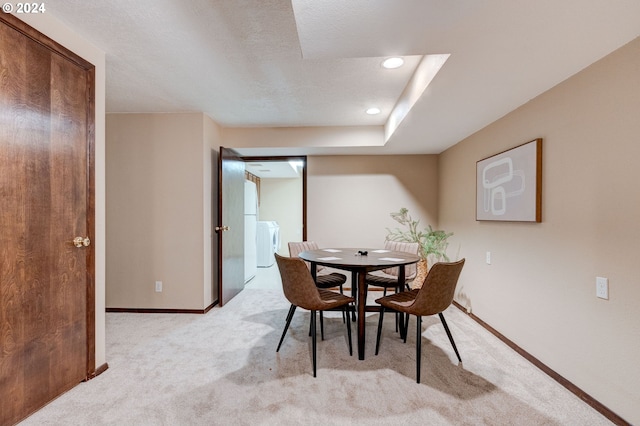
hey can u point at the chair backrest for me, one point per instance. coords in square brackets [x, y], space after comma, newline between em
[413, 248]
[295, 248]
[438, 289]
[297, 283]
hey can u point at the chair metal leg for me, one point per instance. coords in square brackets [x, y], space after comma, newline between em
[292, 309]
[346, 312]
[418, 347]
[313, 340]
[399, 318]
[406, 326]
[380, 319]
[446, 328]
[321, 326]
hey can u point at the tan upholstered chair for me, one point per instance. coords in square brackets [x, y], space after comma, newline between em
[301, 291]
[388, 278]
[323, 279]
[433, 298]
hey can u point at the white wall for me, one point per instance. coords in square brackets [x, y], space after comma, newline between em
[539, 290]
[281, 200]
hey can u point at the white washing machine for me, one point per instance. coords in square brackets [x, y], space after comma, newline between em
[268, 240]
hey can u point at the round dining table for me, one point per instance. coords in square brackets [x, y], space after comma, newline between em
[360, 261]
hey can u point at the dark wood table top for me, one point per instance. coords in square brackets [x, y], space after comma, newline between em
[349, 258]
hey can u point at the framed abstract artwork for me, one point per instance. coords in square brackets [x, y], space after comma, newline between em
[509, 184]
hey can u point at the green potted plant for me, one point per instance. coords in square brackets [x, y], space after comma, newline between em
[433, 243]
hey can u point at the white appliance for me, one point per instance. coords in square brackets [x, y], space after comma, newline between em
[268, 242]
[250, 228]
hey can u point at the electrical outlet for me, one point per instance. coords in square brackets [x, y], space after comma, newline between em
[602, 288]
[158, 286]
[488, 258]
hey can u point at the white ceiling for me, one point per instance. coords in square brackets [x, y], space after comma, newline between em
[274, 169]
[291, 63]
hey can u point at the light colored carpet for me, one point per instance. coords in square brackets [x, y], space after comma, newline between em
[222, 369]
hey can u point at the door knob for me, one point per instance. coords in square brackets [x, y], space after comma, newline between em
[80, 241]
[222, 228]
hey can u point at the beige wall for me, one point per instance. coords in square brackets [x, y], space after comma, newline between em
[539, 290]
[55, 30]
[350, 197]
[159, 210]
[281, 200]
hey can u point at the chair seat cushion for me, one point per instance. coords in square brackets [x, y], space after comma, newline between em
[331, 299]
[399, 301]
[330, 280]
[388, 281]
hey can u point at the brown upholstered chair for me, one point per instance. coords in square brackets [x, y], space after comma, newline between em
[323, 279]
[301, 291]
[388, 278]
[432, 298]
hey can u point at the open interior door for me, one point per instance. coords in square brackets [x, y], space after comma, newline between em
[230, 227]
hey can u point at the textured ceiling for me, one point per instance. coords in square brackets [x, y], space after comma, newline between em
[291, 63]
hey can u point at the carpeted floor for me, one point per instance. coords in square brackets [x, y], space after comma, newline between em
[222, 369]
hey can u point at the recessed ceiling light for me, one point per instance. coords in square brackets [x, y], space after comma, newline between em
[373, 111]
[391, 63]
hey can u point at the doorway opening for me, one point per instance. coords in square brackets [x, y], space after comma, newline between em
[280, 210]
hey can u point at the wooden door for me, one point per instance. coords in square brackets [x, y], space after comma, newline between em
[46, 190]
[230, 227]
